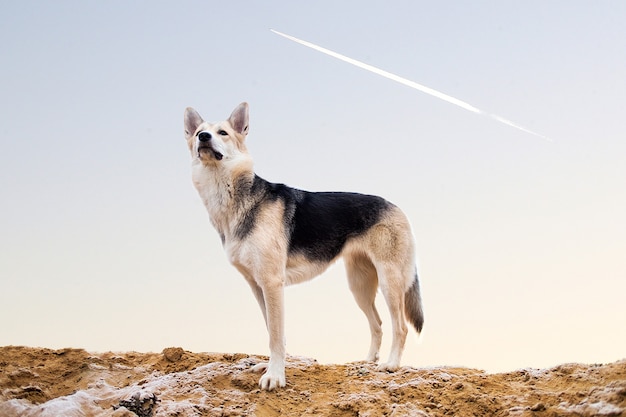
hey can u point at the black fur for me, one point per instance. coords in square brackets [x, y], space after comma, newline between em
[247, 190]
[323, 222]
[318, 223]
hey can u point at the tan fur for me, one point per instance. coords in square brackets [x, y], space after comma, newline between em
[382, 257]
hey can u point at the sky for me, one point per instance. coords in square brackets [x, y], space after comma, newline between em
[105, 244]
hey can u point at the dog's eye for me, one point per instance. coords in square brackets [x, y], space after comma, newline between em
[222, 132]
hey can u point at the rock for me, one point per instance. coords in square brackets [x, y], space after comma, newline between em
[538, 407]
[41, 383]
[140, 403]
[173, 354]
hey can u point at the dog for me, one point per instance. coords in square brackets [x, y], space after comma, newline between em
[275, 235]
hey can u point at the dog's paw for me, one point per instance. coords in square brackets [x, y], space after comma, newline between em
[388, 367]
[260, 367]
[270, 381]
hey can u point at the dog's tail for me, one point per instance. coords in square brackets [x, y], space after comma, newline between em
[413, 305]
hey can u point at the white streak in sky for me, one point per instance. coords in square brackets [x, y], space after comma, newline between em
[410, 83]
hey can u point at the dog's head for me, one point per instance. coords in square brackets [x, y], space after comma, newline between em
[217, 143]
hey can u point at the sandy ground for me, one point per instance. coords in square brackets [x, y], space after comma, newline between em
[73, 382]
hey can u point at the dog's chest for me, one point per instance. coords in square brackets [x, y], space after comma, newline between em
[216, 195]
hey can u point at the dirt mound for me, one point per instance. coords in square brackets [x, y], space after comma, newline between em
[175, 382]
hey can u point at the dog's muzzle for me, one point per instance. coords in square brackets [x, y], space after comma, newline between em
[204, 143]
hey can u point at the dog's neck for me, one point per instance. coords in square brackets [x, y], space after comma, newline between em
[225, 193]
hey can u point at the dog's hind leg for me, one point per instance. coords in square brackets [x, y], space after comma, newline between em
[363, 283]
[393, 288]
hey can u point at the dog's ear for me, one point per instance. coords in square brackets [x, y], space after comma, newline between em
[192, 121]
[239, 119]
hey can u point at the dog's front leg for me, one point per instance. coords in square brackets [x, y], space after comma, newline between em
[274, 376]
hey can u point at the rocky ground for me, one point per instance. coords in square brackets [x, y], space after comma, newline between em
[73, 382]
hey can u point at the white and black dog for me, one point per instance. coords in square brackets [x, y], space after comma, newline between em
[276, 235]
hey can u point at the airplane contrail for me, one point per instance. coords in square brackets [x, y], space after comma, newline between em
[412, 84]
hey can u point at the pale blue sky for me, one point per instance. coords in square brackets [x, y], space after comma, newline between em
[105, 245]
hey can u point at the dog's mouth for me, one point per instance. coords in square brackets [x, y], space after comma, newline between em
[208, 149]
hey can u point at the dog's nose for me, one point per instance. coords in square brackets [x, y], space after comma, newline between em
[204, 136]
